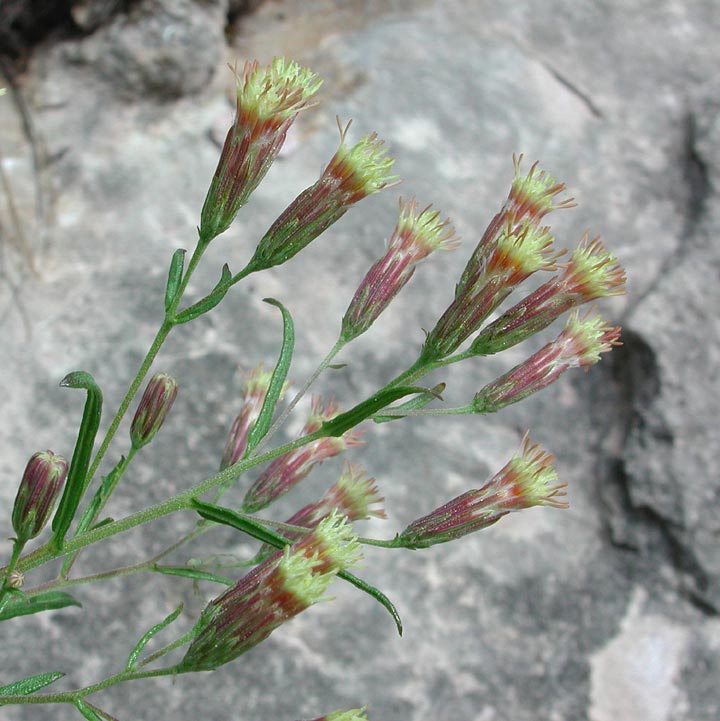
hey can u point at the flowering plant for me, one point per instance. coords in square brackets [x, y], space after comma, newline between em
[297, 559]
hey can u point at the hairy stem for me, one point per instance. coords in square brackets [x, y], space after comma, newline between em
[177, 503]
[14, 557]
[81, 693]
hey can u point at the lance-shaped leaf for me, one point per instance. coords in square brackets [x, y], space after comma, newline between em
[277, 382]
[30, 684]
[50, 601]
[77, 480]
[377, 594]
[194, 573]
[238, 521]
[356, 415]
[177, 265]
[209, 301]
[227, 517]
[90, 712]
[414, 404]
[100, 497]
[140, 645]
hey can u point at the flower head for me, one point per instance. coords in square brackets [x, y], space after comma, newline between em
[533, 195]
[288, 470]
[351, 175]
[353, 495]
[579, 344]
[360, 170]
[254, 389]
[155, 404]
[39, 488]
[591, 273]
[416, 235]
[278, 589]
[268, 100]
[527, 479]
[268, 97]
[513, 254]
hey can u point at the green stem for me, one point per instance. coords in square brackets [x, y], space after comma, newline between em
[15, 555]
[145, 566]
[163, 332]
[170, 647]
[92, 512]
[81, 693]
[122, 466]
[422, 367]
[459, 411]
[392, 543]
[177, 503]
[159, 339]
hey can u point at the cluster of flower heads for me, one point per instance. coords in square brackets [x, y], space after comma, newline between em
[515, 245]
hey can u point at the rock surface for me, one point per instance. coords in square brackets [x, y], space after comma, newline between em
[608, 611]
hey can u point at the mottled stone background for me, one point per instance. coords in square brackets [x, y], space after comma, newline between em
[109, 136]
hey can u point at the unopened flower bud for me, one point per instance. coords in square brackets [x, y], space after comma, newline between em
[40, 486]
[527, 480]
[15, 579]
[254, 389]
[416, 235]
[268, 101]
[353, 495]
[272, 593]
[579, 344]
[288, 470]
[153, 409]
[351, 175]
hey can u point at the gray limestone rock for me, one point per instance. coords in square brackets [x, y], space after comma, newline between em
[160, 49]
[607, 611]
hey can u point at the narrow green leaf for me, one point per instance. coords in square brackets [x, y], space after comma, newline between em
[30, 684]
[345, 421]
[50, 601]
[277, 381]
[209, 301]
[377, 594]
[140, 645]
[414, 404]
[104, 522]
[195, 574]
[226, 517]
[177, 265]
[100, 497]
[88, 711]
[77, 480]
